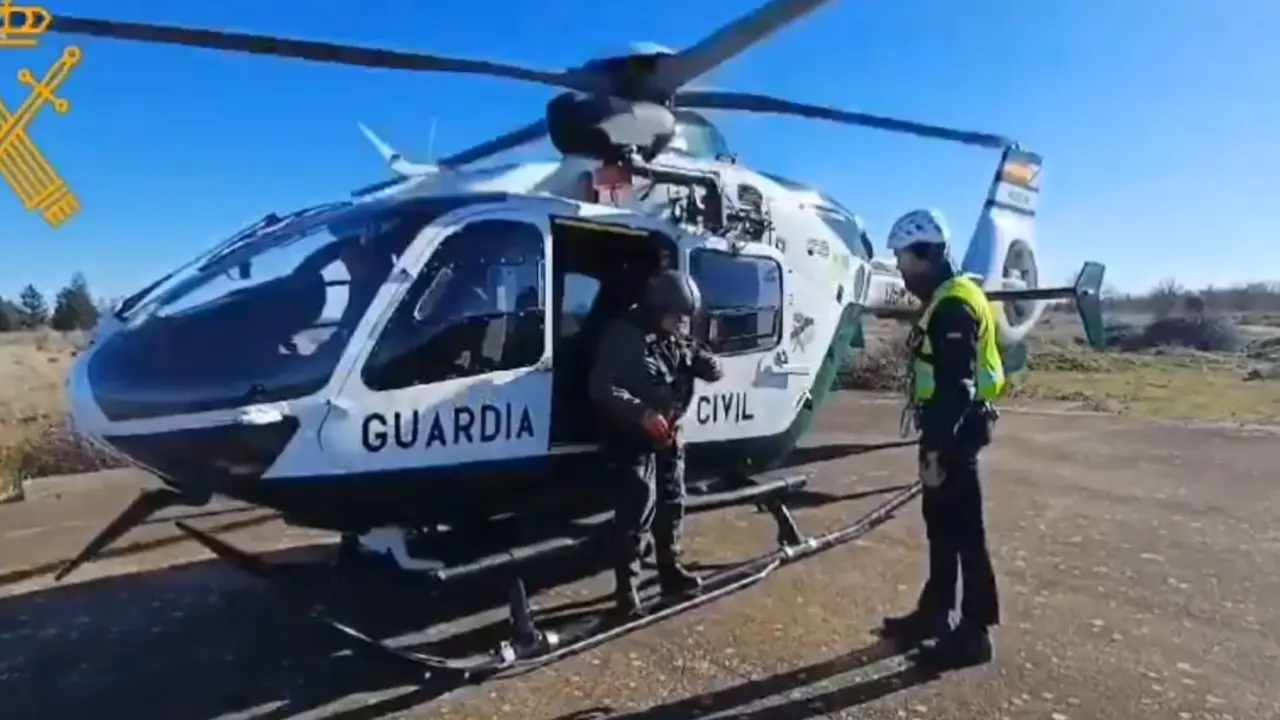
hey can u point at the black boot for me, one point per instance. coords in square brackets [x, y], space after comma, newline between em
[914, 628]
[965, 646]
[627, 604]
[626, 596]
[675, 580]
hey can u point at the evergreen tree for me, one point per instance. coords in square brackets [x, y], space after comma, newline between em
[10, 316]
[74, 308]
[33, 311]
[106, 305]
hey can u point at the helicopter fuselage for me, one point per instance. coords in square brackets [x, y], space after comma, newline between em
[418, 355]
[421, 358]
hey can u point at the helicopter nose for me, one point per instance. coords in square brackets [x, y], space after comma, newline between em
[195, 460]
[85, 415]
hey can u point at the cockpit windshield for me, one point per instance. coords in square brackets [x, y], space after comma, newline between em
[261, 319]
[256, 235]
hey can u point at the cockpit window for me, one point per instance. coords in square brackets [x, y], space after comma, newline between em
[850, 232]
[267, 321]
[696, 136]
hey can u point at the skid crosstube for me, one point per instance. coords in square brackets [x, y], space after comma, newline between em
[529, 647]
[147, 503]
[584, 530]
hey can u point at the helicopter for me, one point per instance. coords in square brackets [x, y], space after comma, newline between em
[412, 359]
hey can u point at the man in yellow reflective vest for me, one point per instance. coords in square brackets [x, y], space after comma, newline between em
[955, 375]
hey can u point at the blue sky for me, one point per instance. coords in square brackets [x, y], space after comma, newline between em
[1159, 119]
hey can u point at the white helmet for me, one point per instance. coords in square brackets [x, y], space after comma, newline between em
[919, 226]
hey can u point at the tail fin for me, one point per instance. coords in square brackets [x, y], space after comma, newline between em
[395, 160]
[1002, 252]
[1009, 213]
[1016, 186]
[1088, 299]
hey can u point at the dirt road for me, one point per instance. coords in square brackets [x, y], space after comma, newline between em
[1140, 566]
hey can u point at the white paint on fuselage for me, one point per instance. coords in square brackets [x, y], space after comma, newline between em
[347, 427]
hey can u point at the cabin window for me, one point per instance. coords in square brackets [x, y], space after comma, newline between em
[477, 307]
[741, 301]
[850, 232]
[579, 295]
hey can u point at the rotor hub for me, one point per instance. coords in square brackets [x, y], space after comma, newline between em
[608, 128]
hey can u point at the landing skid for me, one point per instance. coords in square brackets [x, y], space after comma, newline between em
[392, 543]
[529, 647]
[147, 503]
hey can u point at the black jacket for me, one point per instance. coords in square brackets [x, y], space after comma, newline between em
[636, 370]
[953, 420]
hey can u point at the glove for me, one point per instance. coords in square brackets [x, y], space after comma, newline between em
[658, 428]
[931, 474]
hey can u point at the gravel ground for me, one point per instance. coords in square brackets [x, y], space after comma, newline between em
[1135, 560]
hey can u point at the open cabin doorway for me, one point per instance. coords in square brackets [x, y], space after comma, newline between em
[599, 270]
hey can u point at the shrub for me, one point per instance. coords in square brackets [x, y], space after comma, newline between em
[50, 448]
[881, 366]
[1199, 332]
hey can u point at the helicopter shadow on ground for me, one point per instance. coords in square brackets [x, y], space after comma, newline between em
[200, 641]
[815, 690]
[827, 452]
[203, 640]
[253, 517]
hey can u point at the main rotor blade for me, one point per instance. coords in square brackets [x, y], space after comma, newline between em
[675, 71]
[310, 50]
[750, 102]
[514, 139]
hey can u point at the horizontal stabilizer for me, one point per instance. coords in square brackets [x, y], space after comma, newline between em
[1086, 293]
[892, 302]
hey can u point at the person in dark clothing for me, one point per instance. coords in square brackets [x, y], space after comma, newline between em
[642, 380]
[692, 361]
[956, 372]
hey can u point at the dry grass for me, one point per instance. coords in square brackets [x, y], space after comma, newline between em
[1173, 383]
[34, 437]
[1163, 382]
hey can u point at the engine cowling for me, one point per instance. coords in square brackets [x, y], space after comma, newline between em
[602, 127]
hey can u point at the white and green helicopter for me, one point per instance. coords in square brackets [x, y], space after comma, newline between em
[415, 356]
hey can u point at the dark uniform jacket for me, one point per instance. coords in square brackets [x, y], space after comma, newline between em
[953, 420]
[636, 370]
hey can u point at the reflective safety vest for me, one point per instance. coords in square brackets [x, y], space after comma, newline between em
[989, 367]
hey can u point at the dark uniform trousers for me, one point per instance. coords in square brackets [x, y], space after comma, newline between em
[957, 538]
[669, 514]
[651, 478]
[651, 488]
